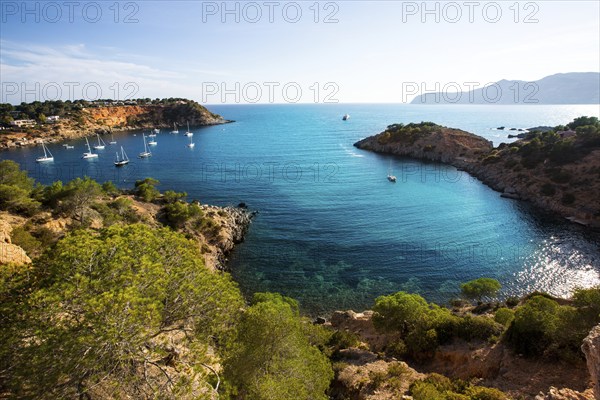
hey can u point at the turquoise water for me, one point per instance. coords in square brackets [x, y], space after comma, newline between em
[331, 231]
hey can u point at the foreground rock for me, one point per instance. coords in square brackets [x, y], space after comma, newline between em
[10, 253]
[492, 365]
[234, 223]
[591, 349]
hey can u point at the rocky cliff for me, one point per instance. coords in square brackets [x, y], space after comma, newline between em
[427, 141]
[591, 349]
[104, 119]
[524, 170]
[492, 365]
[10, 253]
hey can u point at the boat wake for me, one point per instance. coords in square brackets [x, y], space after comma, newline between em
[350, 152]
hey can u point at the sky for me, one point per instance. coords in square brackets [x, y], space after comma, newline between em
[286, 51]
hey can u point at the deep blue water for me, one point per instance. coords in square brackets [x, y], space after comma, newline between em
[331, 231]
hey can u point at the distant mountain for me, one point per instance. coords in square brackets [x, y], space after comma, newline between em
[569, 88]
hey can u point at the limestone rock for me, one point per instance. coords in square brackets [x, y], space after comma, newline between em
[591, 349]
[10, 253]
[565, 394]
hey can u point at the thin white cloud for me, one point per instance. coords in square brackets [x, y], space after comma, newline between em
[31, 65]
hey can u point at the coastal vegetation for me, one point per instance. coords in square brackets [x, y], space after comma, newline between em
[120, 301]
[555, 168]
[38, 110]
[539, 326]
[25, 124]
[122, 305]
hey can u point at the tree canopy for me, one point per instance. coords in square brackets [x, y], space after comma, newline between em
[480, 288]
[107, 312]
[273, 358]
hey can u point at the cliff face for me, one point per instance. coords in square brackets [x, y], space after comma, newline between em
[9, 252]
[151, 116]
[89, 121]
[569, 189]
[591, 349]
[441, 144]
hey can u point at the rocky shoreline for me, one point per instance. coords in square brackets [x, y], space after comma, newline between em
[111, 119]
[234, 222]
[499, 169]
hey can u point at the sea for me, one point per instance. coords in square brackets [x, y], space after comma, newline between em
[330, 230]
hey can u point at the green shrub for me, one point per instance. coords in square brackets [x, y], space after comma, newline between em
[484, 393]
[109, 188]
[436, 386]
[399, 312]
[146, 189]
[172, 197]
[377, 378]
[77, 198]
[397, 349]
[504, 316]
[17, 199]
[343, 340]
[425, 391]
[478, 327]
[480, 288]
[534, 325]
[24, 239]
[422, 344]
[104, 297]
[512, 301]
[272, 358]
[587, 301]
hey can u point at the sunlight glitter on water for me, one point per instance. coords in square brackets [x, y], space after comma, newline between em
[558, 267]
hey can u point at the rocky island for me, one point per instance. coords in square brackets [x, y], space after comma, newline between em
[55, 121]
[557, 170]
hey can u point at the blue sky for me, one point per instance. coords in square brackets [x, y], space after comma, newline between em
[365, 52]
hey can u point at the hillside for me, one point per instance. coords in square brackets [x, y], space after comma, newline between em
[568, 88]
[109, 294]
[84, 119]
[557, 172]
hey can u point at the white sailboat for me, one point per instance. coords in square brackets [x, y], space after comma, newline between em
[145, 153]
[47, 155]
[191, 144]
[122, 160]
[89, 154]
[175, 130]
[112, 139]
[101, 145]
[390, 177]
[188, 133]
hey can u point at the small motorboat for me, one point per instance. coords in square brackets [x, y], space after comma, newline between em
[346, 117]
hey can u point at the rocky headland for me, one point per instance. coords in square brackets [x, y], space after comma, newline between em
[219, 230]
[558, 174]
[104, 119]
